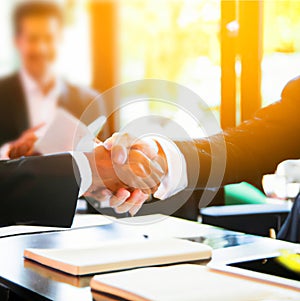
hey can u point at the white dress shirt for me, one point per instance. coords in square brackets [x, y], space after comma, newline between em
[41, 107]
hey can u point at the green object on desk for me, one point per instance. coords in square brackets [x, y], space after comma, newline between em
[243, 193]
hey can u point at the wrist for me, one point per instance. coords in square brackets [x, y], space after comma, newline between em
[162, 158]
[175, 179]
[90, 156]
[84, 167]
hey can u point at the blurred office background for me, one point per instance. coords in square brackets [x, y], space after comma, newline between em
[237, 55]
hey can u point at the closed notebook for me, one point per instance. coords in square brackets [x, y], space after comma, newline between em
[119, 255]
[186, 282]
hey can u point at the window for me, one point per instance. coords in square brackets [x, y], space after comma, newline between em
[281, 51]
[171, 40]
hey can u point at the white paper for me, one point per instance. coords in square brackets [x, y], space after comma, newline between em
[59, 135]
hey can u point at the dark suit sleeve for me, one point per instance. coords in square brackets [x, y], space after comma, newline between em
[39, 191]
[255, 147]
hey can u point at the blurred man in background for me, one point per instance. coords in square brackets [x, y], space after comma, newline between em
[30, 97]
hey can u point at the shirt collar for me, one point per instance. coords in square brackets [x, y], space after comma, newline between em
[31, 86]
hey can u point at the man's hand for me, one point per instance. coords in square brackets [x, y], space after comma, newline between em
[122, 201]
[130, 172]
[24, 145]
[120, 146]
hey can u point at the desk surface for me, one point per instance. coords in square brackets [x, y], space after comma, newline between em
[35, 282]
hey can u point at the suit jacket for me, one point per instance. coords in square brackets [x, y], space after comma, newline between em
[13, 113]
[255, 147]
[290, 230]
[39, 190]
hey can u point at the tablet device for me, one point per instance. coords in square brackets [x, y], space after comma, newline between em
[270, 266]
[266, 269]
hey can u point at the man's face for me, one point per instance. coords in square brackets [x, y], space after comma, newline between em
[38, 41]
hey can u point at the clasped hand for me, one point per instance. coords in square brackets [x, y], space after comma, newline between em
[126, 171]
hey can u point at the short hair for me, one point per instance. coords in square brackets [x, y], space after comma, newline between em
[36, 8]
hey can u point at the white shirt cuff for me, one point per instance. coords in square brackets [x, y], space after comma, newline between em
[4, 150]
[85, 171]
[176, 178]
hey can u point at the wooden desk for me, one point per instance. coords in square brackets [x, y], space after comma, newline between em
[35, 282]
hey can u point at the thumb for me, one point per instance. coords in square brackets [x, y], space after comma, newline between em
[119, 154]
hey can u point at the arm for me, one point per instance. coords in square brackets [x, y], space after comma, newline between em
[44, 190]
[38, 190]
[255, 147]
[252, 149]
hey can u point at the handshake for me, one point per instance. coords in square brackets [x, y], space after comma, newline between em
[124, 171]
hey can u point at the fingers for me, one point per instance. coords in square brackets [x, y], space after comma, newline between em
[138, 174]
[119, 150]
[138, 205]
[109, 142]
[142, 166]
[119, 198]
[133, 203]
[147, 174]
[121, 143]
[100, 195]
[37, 127]
[138, 163]
[123, 201]
[24, 146]
[148, 147]
[119, 154]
